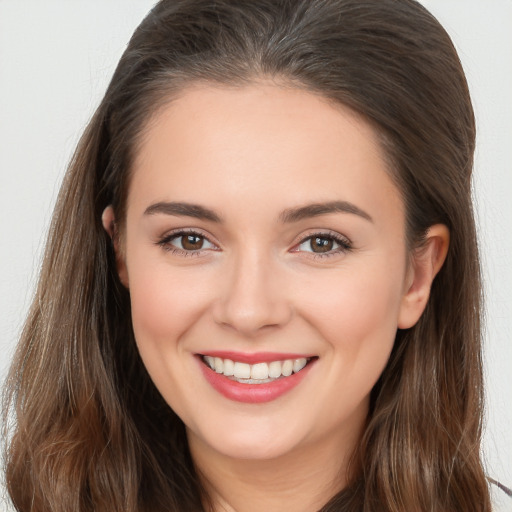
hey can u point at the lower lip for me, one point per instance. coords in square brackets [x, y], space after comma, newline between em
[253, 393]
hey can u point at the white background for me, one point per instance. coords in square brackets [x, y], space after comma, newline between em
[56, 58]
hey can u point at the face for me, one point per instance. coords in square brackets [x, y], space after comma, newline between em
[265, 257]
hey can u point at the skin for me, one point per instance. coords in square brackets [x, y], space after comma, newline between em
[249, 154]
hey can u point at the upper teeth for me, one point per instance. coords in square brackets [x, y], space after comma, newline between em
[258, 371]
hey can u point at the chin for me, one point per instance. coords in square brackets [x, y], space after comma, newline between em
[250, 443]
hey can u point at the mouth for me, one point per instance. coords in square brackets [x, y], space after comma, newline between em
[258, 373]
[254, 378]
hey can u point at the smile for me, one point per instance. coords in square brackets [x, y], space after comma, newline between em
[259, 373]
[256, 378]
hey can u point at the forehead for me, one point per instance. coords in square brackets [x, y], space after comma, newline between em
[236, 146]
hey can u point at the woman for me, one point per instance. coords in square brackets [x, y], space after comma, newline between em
[261, 288]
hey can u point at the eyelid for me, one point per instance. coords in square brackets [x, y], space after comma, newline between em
[165, 239]
[327, 233]
[345, 244]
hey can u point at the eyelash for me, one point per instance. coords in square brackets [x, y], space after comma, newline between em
[165, 242]
[344, 244]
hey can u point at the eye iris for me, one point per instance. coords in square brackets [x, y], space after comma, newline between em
[192, 242]
[319, 244]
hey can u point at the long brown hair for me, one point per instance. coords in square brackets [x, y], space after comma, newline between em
[89, 430]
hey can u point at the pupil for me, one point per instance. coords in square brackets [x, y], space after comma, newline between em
[321, 244]
[192, 242]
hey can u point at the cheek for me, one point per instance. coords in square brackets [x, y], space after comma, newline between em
[165, 302]
[367, 307]
[357, 299]
[356, 310]
[357, 320]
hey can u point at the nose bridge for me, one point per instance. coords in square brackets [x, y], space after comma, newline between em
[253, 297]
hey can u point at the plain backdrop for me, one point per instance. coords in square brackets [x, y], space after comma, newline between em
[56, 58]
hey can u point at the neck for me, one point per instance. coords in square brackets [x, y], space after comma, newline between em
[302, 481]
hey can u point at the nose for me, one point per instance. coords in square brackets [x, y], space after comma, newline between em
[253, 296]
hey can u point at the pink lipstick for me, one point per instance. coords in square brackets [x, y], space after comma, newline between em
[254, 378]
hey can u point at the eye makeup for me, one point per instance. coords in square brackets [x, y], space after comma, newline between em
[193, 242]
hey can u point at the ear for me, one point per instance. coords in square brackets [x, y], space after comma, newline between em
[426, 261]
[109, 225]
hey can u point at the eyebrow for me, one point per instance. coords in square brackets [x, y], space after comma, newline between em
[287, 216]
[316, 209]
[183, 210]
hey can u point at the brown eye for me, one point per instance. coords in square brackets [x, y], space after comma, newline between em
[324, 244]
[186, 242]
[320, 244]
[192, 242]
